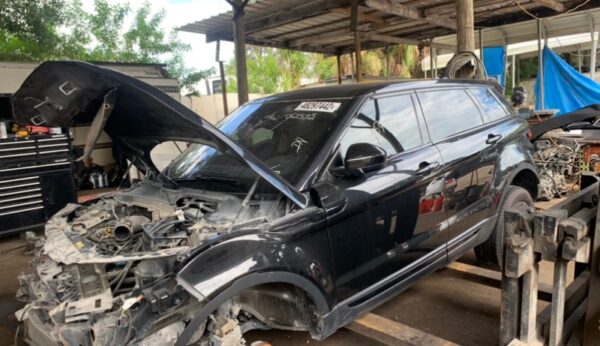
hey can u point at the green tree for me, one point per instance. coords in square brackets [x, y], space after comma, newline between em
[29, 29]
[324, 67]
[106, 26]
[62, 29]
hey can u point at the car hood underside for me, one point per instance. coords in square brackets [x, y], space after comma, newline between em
[134, 114]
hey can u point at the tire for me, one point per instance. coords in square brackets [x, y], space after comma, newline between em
[489, 253]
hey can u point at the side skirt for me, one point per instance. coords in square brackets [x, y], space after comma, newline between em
[379, 293]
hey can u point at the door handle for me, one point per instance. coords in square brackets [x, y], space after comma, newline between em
[493, 138]
[427, 167]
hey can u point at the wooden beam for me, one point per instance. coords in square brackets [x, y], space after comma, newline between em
[448, 9]
[320, 37]
[493, 278]
[362, 16]
[400, 10]
[552, 4]
[401, 40]
[390, 332]
[311, 9]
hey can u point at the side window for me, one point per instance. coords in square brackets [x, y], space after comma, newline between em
[397, 115]
[494, 109]
[390, 123]
[364, 129]
[448, 112]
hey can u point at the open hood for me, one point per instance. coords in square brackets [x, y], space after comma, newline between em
[134, 114]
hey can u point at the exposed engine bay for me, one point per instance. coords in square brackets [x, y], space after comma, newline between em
[558, 162]
[105, 273]
[563, 156]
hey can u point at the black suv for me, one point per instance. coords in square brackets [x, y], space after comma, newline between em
[298, 211]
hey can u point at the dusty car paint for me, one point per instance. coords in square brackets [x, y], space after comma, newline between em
[312, 258]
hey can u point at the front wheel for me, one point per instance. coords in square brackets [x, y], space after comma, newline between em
[489, 253]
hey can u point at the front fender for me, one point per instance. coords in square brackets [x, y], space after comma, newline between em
[297, 254]
[514, 158]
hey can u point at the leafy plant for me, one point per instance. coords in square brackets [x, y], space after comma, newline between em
[62, 29]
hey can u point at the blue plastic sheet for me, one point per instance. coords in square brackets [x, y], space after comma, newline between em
[565, 88]
[494, 60]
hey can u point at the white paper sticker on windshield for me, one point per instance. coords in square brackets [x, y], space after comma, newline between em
[314, 106]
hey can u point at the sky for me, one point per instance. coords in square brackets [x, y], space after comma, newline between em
[181, 12]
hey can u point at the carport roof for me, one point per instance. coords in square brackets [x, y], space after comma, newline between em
[324, 25]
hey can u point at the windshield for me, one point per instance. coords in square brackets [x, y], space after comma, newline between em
[285, 135]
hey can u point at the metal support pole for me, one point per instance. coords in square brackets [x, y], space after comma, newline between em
[431, 58]
[594, 49]
[480, 46]
[223, 82]
[339, 68]
[435, 62]
[579, 61]
[540, 63]
[240, 51]
[513, 67]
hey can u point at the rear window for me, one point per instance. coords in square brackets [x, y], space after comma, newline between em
[490, 104]
[448, 112]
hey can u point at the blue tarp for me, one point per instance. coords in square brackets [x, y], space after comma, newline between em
[565, 88]
[494, 60]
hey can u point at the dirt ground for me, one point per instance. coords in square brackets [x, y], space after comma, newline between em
[447, 304]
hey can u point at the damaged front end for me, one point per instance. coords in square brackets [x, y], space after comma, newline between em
[106, 272]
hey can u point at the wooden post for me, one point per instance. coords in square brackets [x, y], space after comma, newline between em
[339, 68]
[240, 51]
[223, 82]
[387, 62]
[465, 27]
[591, 332]
[357, 37]
[352, 68]
[557, 317]
[357, 50]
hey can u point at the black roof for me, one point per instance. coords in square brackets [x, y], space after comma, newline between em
[360, 89]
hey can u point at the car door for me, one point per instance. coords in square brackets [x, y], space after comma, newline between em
[467, 145]
[502, 125]
[392, 217]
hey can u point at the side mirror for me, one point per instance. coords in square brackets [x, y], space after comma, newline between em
[364, 158]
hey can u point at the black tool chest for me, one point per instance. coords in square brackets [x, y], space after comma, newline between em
[36, 180]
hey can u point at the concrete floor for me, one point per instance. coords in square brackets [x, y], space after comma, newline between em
[447, 304]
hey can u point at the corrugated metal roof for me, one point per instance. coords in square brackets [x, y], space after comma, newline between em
[563, 33]
[324, 25]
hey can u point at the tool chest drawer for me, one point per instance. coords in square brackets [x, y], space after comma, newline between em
[35, 180]
[15, 151]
